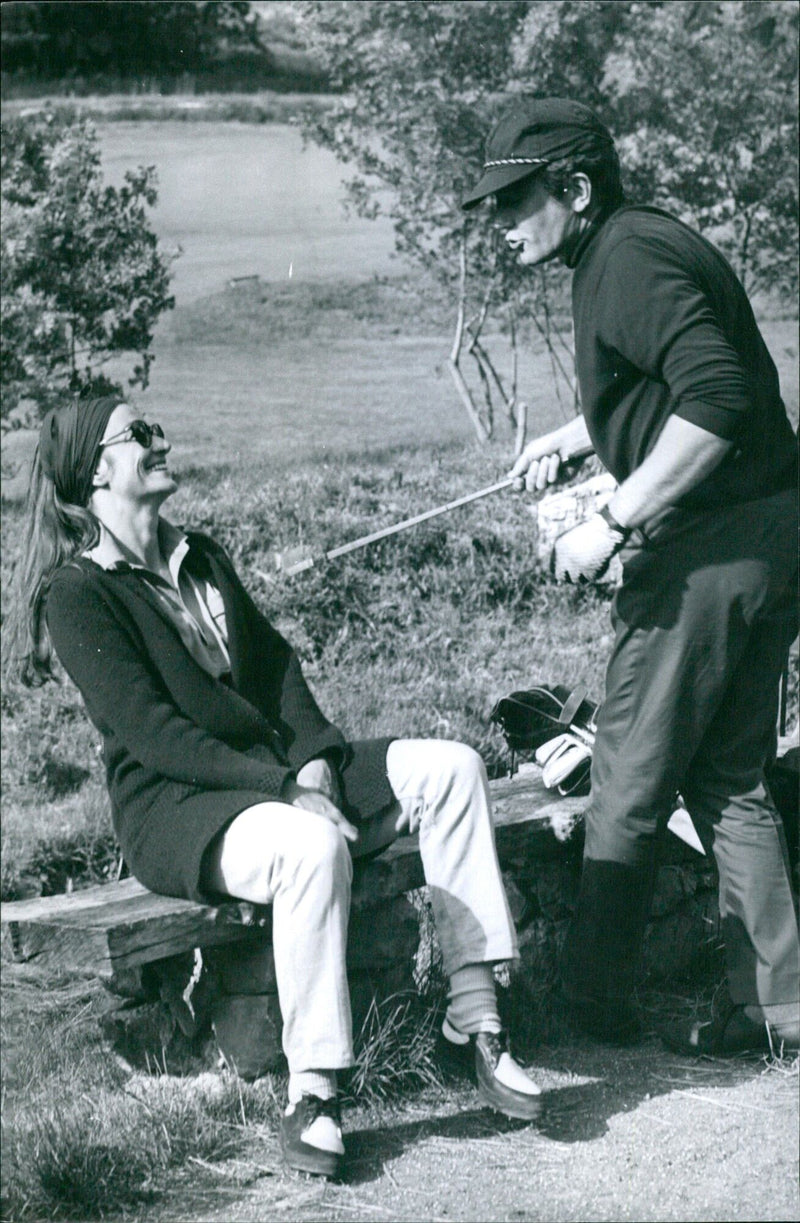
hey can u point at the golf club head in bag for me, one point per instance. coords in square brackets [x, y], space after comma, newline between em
[531, 717]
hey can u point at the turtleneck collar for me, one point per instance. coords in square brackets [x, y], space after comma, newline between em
[573, 252]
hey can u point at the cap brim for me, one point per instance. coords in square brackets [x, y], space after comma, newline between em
[495, 180]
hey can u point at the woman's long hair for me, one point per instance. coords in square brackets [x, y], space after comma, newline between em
[55, 532]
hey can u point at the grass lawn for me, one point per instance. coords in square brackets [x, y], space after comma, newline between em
[306, 371]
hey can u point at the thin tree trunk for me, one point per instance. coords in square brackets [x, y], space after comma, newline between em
[482, 361]
[519, 406]
[466, 398]
[554, 357]
[487, 369]
[486, 364]
[455, 353]
[522, 427]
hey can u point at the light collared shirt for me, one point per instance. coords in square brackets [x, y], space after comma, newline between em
[194, 605]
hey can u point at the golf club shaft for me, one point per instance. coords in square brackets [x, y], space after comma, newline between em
[412, 522]
[308, 561]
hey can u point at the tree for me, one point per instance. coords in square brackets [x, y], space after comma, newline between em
[420, 84]
[701, 98]
[83, 277]
[51, 39]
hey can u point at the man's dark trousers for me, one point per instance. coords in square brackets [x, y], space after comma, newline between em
[704, 619]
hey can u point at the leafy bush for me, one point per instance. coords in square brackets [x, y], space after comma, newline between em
[83, 276]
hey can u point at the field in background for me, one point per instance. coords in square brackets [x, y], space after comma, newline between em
[290, 378]
[243, 199]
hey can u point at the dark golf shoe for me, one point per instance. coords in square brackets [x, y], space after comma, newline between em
[502, 1083]
[311, 1137]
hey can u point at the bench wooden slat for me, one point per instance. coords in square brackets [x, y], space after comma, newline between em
[116, 948]
[118, 926]
[127, 900]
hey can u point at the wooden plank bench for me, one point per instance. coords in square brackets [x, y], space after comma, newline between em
[144, 947]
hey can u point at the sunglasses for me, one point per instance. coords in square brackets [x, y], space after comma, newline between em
[513, 195]
[137, 431]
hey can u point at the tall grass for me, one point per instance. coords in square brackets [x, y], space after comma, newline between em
[395, 1052]
[84, 1138]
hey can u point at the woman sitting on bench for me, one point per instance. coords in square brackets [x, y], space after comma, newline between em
[227, 780]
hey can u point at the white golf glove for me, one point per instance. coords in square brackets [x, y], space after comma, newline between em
[583, 553]
[559, 758]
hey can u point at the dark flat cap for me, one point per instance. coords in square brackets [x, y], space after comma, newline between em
[532, 133]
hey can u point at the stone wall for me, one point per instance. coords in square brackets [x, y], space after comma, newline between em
[222, 1008]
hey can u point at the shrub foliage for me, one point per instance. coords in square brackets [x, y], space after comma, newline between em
[83, 276]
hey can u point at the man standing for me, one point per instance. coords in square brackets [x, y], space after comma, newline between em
[681, 402]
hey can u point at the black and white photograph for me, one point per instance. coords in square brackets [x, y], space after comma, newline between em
[400, 758]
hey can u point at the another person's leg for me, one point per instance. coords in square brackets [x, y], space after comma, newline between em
[684, 618]
[443, 791]
[634, 780]
[736, 819]
[299, 863]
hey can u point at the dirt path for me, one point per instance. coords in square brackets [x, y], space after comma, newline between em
[637, 1134]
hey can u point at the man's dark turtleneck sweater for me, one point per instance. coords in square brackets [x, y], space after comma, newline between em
[662, 326]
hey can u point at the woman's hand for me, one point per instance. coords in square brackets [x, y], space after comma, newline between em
[320, 804]
[317, 774]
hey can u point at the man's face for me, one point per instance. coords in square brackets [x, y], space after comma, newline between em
[536, 225]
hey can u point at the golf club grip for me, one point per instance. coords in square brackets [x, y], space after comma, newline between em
[412, 522]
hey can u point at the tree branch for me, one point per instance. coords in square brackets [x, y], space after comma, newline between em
[455, 352]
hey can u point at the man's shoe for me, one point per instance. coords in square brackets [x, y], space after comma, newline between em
[726, 1035]
[502, 1083]
[311, 1137]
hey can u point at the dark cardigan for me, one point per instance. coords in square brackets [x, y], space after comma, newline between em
[184, 752]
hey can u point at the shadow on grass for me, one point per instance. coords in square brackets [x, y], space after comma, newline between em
[618, 1080]
[368, 1149]
[613, 1081]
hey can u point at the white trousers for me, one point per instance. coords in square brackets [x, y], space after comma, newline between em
[300, 863]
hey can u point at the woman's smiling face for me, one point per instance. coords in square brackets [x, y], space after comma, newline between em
[129, 470]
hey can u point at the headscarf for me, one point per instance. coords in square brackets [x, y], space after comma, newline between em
[68, 443]
[532, 133]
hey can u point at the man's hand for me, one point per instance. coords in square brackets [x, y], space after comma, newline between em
[320, 804]
[541, 460]
[407, 822]
[583, 553]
